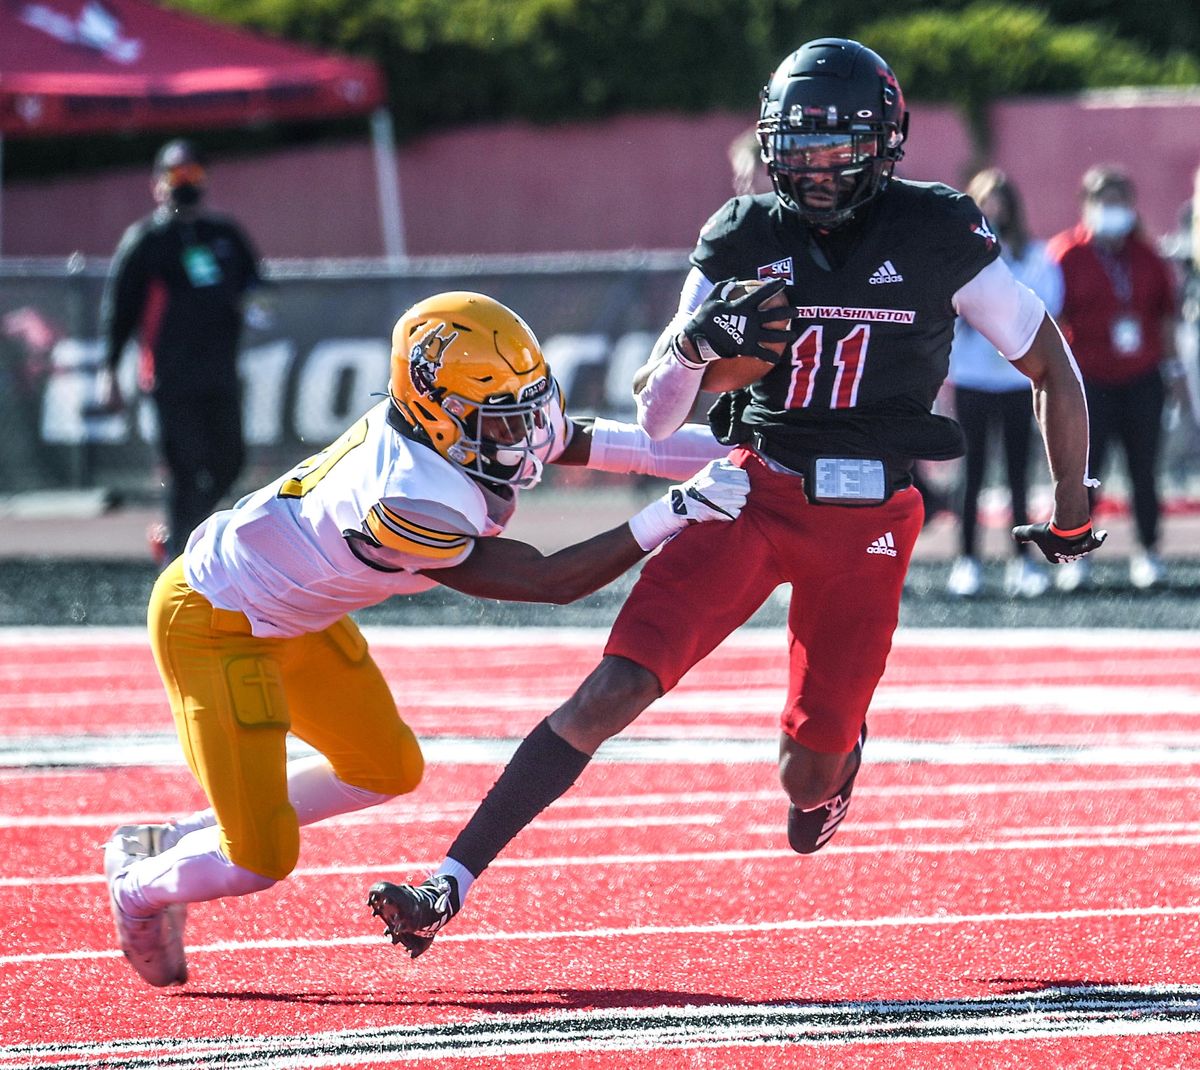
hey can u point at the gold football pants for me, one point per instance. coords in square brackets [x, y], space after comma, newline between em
[235, 698]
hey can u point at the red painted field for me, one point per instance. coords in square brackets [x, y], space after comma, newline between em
[1018, 883]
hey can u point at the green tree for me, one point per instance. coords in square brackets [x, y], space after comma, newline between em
[990, 50]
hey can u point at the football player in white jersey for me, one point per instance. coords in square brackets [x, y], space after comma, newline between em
[250, 627]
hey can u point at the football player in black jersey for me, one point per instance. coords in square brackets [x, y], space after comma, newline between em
[827, 404]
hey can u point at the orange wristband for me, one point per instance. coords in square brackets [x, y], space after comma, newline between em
[1073, 533]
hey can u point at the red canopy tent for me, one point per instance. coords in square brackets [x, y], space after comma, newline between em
[107, 66]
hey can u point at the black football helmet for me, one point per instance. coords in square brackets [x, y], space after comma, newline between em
[831, 126]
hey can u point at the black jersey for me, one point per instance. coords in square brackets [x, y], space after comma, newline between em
[875, 315]
[179, 281]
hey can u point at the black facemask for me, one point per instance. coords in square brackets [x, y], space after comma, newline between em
[186, 196]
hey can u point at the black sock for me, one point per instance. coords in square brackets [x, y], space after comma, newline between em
[544, 766]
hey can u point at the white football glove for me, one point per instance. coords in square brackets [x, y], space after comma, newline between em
[717, 492]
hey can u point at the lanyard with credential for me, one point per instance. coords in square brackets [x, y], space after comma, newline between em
[1120, 275]
[1126, 329]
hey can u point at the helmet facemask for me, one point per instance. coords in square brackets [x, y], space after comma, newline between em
[469, 379]
[502, 441]
[831, 127]
[825, 176]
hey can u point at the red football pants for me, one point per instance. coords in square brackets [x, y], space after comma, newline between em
[846, 565]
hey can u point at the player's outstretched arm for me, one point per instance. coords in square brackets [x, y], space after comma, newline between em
[514, 571]
[605, 445]
[1061, 411]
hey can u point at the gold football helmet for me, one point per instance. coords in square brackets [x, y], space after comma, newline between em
[469, 379]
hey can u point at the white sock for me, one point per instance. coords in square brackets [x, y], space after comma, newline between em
[463, 876]
[192, 871]
[195, 869]
[314, 792]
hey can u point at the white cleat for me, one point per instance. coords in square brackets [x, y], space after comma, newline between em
[1146, 570]
[1024, 579]
[966, 578]
[153, 945]
[1073, 576]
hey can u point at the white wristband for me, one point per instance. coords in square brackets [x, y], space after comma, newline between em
[701, 345]
[655, 524]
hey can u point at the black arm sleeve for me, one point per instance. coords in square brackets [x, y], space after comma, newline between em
[124, 294]
[250, 260]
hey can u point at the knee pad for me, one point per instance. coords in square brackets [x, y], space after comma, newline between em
[395, 767]
[271, 849]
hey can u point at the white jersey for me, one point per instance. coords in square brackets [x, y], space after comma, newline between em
[347, 528]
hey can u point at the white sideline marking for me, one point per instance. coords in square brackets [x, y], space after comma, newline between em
[900, 921]
[1120, 838]
[120, 750]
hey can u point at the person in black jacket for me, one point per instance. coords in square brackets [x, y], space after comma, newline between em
[177, 281]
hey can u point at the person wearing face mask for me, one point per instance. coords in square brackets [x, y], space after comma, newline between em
[178, 281]
[990, 394]
[1118, 314]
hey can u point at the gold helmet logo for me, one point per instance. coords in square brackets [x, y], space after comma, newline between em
[425, 358]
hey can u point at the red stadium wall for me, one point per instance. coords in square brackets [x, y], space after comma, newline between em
[635, 182]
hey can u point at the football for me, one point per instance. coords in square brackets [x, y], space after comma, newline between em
[733, 373]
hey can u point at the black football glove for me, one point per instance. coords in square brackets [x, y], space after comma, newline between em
[1059, 549]
[722, 327]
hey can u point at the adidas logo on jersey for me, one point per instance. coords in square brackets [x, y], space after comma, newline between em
[885, 544]
[886, 272]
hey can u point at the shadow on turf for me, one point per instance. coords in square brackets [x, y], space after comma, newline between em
[1018, 996]
[508, 1001]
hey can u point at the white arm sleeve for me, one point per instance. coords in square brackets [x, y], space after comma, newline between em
[1006, 312]
[625, 448]
[667, 399]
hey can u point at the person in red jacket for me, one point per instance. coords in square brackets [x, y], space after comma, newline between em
[1118, 315]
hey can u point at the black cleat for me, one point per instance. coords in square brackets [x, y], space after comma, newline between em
[810, 830]
[413, 914]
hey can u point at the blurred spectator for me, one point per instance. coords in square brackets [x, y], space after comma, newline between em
[178, 279]
[1181, 453]
[991, 396]
[749, 170]
[1118, 314]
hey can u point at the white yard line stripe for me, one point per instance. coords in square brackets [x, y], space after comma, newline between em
[118, 750]
[400, 812]
[1051, 1011]
[901, 921]
[1034, 699]
[1055, 843]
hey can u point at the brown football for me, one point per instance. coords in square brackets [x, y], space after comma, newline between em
[732, 373]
